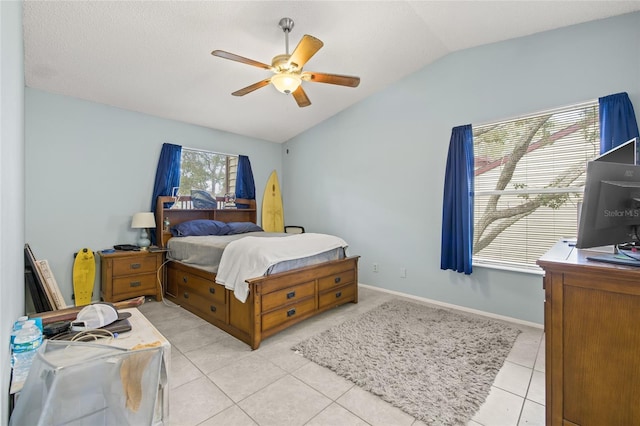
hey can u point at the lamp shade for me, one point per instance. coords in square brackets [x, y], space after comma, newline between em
[143, 220]
[286, 82]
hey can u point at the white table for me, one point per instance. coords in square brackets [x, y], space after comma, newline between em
[142, 333]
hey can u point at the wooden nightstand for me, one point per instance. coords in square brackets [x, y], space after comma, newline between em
[127, 274]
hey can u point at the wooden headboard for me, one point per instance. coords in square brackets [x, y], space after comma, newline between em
[182, 211]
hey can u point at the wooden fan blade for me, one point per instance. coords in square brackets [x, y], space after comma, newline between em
[341, 80]
[234, 57]
[301, 97]
[251, 88]
[307, 47]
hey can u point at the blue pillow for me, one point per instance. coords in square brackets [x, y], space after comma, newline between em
[242, 227]
[200, 227]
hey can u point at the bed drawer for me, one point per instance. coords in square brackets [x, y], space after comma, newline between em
[134, 284]
[197, 285]
[288, 313]
[134, 265]
[210, 309]
[287, 296]
[336, 280]
[338, 296]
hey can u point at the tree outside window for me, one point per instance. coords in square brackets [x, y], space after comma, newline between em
[209, 171]
[529, 178]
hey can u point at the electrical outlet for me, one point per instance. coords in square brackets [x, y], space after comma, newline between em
[403, 272]
[375, 267]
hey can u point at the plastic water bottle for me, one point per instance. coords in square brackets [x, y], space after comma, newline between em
[25, 344]
[17, 326]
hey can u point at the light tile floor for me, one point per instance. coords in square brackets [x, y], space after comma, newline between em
[217, 380]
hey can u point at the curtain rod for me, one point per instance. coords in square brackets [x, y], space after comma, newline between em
[534, 114]
[210, 152]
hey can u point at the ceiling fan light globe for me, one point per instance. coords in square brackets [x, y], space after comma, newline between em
[286, 82]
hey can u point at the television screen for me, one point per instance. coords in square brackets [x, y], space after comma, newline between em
[611, 206]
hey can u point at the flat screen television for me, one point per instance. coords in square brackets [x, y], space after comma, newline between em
[611, 205]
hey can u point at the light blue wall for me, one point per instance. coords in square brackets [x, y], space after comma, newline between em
[374, 173]
[11, 185]
[90, 167]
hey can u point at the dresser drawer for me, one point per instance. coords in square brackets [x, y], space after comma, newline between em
[288, 313]
[204, 288]
[287, 296]
[134, 284]
[134, 265]
[336, 280]
[338, 296]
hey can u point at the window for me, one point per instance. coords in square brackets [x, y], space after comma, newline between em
[210, 171]
[529, 178]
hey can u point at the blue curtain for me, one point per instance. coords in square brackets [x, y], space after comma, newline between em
[245, 186]
[167, 175]
[617, 121]
[457, 209]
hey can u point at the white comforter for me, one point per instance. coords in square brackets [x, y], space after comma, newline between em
[250, 257]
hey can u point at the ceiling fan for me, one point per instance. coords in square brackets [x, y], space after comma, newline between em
[287, 68]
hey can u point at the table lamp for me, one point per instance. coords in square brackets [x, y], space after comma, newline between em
[143, 221]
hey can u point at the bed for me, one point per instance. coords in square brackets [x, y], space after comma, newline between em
[287, 294]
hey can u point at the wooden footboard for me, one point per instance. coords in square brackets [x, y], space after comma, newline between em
[275, 301]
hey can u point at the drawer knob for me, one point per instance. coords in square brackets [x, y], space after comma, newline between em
[184, 279]
[338, 294]
[135, 284]
[213, 308]
[291, 295]
[337, 280]
[291, 312]
[186, 295]
[212, 290]
[136, 266]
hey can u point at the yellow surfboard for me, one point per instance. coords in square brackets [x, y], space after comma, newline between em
[272, 211]
[84, 274]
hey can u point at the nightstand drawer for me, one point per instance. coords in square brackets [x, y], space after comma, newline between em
[134, 265]
[134, 284]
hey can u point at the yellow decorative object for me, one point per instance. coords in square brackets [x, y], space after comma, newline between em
[84, 275]
[272, 210]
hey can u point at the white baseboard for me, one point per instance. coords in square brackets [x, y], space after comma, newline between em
[457, 307]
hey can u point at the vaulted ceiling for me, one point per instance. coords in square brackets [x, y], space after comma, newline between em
[155, 56]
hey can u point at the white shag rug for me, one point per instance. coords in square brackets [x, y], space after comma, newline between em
[434, 364]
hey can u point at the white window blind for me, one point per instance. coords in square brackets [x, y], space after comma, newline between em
[529, 177]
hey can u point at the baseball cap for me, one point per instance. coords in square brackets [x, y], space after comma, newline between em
[97, 315]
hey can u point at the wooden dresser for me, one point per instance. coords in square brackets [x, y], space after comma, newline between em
[592, 338]
[128, 274]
